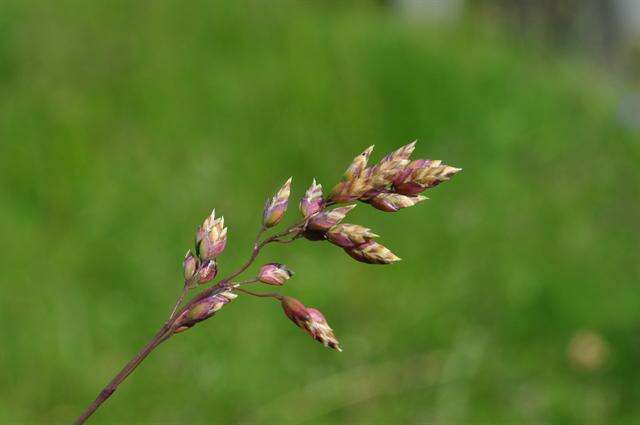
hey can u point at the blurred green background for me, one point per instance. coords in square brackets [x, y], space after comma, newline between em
[123, 123]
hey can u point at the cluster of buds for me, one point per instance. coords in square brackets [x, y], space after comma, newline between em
[356, 240]
[211, 239]
[196, 271]
[394, 183]
[390, 185]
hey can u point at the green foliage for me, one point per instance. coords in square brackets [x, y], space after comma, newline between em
[123, 123]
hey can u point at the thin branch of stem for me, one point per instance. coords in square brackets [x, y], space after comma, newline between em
[254, 253]
[183, 294]
[261, 294]
[278, 240]
[245, 282]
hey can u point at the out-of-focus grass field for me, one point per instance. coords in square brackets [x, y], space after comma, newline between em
[123, 123]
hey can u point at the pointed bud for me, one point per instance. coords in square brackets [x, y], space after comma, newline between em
[372, 253]
[392, 202]
[358, 164]
[211, 238]
[274, 274]
[403, 152]
[324, 220]
[348, 235]
[422, 174]
[189, 265]
[207, 272]
[275, 208]
[204, 309]
[311, 321]
[312, 201]
[353, 180]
